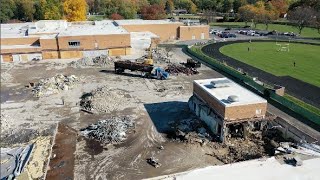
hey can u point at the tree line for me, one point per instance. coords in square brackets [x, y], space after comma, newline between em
[301, 13]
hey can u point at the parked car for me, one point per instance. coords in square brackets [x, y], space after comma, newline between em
[232, 35]
[251, 33]
[227, 29]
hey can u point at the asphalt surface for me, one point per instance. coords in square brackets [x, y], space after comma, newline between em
[302, 90]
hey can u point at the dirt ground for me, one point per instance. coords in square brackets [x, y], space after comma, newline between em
[151, 103]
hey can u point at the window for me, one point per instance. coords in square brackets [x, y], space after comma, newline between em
[258, 111]
[74, 43]
[202, 35]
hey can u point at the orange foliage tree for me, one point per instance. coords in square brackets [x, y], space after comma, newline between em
[75, 10]
[153, 12]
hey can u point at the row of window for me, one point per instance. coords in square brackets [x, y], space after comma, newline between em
[74, 43]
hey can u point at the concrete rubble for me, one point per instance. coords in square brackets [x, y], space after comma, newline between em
[54, 85]
[13, 161]
[107, 131]
[99, 61]
[178, 69]
[104, 99]
[191, 130]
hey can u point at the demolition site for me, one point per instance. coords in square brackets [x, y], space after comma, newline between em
[150, 113]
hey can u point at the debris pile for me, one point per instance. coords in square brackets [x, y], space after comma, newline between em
[192, 131]
[161, 55]
[53, 85]
[100, 61]
[104, 99]
[178, 68]
[107, 131]
[239, 150]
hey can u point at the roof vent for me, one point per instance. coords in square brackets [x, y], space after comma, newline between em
[233, 98]
[220, 83]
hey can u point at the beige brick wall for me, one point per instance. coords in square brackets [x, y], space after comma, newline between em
[19, 41]
[70, 54]
[48, 44]
[88, 42]
[50, 55]
[188, 32]
[245, 111]
[20, 50]
[216, 106]
[166, 32]
[119, 51]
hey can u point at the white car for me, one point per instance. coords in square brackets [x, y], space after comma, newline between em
[251, 33]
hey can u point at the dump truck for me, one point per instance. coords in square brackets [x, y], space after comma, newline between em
[146, 70]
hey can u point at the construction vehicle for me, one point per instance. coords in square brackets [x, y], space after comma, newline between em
[191, 63]
[145, 69]
[148, 59]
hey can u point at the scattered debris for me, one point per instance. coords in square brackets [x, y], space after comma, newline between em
[13, 161]
[107, 131]
[161, 147]
[191, 130]
[100, 61]
[53, 85]
[153, 162]
[161, 55]
[178, 68]
[104, 99]
[295, 161]
[299, 148]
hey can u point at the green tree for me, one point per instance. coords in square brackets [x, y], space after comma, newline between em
[25, 10]
[169, 6]
[52, 9]
[8, 7]
[227, 6]
[237, 4]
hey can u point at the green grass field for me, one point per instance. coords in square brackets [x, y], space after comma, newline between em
[306, 32]
[265, 56]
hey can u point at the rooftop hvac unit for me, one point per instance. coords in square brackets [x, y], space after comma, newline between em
[233, 98]
[220, 83]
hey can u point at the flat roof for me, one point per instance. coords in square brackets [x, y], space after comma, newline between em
[26, 46]
[262, 169]
[222, 88]
[14, 30]
[142, 22]
[104, 27]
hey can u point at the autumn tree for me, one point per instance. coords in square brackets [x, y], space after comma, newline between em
[8, 7]
[153, 12]
[115, 16]
[51, 9]
[280, 6]
[247, 13]
[227, 6]
[75, 10]
[302, 16]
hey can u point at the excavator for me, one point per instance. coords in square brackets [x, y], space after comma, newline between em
[148, 59]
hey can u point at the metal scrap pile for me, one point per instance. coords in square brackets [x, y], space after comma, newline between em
[107, 131]
[53, 85]
[101, 61]
[178, 68]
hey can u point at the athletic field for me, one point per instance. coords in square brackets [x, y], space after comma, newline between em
[300, 61]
